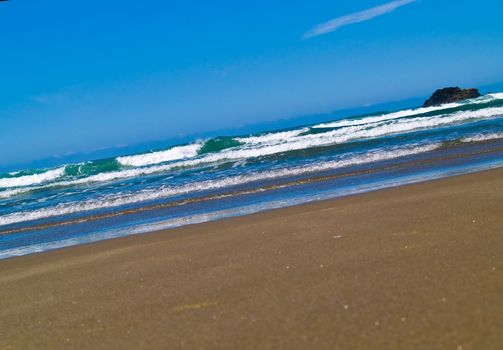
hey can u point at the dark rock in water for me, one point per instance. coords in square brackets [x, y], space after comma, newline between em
[449, 95]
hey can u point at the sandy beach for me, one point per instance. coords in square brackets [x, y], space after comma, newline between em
[413, 267]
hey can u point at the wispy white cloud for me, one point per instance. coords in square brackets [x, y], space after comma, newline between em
[357, 17]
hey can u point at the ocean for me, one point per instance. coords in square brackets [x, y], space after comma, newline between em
[45, 209]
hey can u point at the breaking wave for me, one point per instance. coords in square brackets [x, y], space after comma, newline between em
[409, 112]
[175, 153]
[168, 191]
[34, 179]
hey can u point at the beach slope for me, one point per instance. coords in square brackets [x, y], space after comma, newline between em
[413, 267]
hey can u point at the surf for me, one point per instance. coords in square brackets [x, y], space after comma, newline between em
[169, 191]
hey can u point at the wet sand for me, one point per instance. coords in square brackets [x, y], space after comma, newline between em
[413, 267]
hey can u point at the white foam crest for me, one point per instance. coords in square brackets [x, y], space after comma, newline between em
[34, 179]
[407, 112]
[175, 153]
[14, 192]
[412, 124]
[483, 137]
[104, 177]
[225, 155]
[350, 133]
[165, 192]
[272, 137]
[496, 95]
[384, 117]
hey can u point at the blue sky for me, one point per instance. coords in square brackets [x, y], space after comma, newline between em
[83, 76]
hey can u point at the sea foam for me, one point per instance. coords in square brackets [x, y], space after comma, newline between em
[175, 153]
[409, 112]
[168, 191]
[34, 179]
[483, 137]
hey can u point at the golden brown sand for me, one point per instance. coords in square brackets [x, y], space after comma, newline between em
[415, 267]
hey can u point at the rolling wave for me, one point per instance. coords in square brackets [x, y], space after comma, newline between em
[274, 143]
[34, 179]
[92, 167]
[272, 137]
[218, 144]
[168, 191]
[175, 153]
[408, 112]
[279, 142]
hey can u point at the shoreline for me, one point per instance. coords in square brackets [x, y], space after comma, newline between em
[413, 266]
[44, 242]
